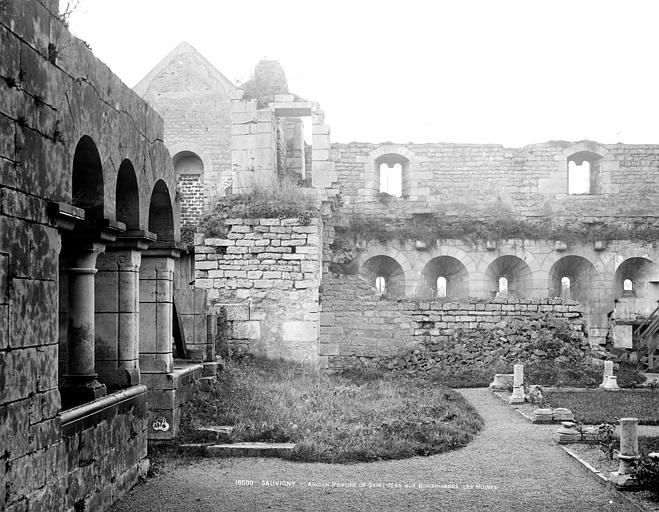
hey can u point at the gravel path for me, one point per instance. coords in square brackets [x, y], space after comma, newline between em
[511, 465]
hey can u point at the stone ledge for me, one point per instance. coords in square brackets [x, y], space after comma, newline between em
[281, 450]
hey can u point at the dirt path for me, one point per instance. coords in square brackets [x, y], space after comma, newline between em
[511, 465]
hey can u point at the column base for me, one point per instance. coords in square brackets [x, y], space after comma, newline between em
[518, 395]
[624, 482]
[77, 390]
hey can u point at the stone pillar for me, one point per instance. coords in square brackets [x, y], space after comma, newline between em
[117, 317]
[80, 382]
[156, 311]
[518, 385]
[628, 454]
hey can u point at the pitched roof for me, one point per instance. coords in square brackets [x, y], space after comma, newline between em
[184, 69]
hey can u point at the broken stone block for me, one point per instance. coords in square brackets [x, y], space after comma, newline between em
[543, 416]
[563, 414]
[567, 433]
[502, 381]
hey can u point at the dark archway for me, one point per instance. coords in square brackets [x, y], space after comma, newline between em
[389, 269]
[128, 196]
[87, 180]
[161, 215]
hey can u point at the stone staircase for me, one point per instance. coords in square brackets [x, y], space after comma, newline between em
[219, 443]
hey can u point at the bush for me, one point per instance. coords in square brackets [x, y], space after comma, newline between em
[275, 199]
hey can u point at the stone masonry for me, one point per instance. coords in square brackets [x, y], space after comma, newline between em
[265, 273]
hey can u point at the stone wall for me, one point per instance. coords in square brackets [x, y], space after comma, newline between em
[265, 274]
[83, 172]
[476, 179]
[358, 326]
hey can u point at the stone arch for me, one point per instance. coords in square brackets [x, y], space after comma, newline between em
[195, 149]
[128, 196]
[644, 274]
[515, 270]
[452, 269]
[586, 146]
[580, 271]
[388, 268]
[87, 179]
[161, 215]
[389, 149]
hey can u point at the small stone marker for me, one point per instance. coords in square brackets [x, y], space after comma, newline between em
[501, 381]
[611, 383]
[628, 456]
[563, 414]
[518, 385]
[608, 371]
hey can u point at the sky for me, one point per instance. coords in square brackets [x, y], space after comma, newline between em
[510, 72]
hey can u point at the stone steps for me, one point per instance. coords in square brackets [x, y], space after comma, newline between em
[256, 449]
[218, 442]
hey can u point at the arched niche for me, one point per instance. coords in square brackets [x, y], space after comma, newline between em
[579, 271]
[452, 269]
[517, 273]
[161, 215]
[188, 162]
[87, 179]
[387, 268]
[642, 272]
[128, 196]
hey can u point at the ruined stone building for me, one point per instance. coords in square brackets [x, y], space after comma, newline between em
[562, 227]
[89, 273]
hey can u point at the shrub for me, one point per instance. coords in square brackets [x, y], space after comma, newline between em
[275, 199]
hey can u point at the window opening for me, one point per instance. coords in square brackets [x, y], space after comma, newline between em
[441, 287]
[380, 284]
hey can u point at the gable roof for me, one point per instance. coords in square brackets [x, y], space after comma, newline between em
[184, 69]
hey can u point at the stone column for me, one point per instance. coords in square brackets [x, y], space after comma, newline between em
[117, 317]
[518, 385]
[628, 454]
[156, 312]
[80, 382]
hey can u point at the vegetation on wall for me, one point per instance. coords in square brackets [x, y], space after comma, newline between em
[276, 199]
[267, 80]
[431, 227]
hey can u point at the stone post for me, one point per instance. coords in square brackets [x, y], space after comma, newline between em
[80, 382]
[608, 371]
[628, 454]
[156, 311]
[518, 385]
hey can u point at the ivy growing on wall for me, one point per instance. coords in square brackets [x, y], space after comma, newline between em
[432, 227]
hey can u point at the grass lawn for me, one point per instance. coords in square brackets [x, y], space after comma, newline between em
[347, 418]
[597, 406]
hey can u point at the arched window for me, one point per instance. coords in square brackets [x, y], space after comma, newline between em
[628, 285]
[380, 284]
[565, 288]
[441, 287]
[503, 286]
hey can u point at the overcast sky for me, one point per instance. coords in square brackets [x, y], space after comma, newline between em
[513, 72]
